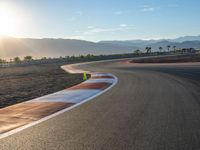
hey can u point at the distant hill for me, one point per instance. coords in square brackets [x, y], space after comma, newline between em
[142, 43]
[186, 38]
[182, 42]
[136, 43]
[12, 47]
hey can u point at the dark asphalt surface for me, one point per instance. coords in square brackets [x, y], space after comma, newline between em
[153, 107]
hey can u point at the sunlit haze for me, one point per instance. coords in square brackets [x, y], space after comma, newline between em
[9, 20]
[99, 20]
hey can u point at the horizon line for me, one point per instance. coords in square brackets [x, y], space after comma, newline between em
[63, 38]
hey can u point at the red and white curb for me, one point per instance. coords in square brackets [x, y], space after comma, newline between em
[23, 115]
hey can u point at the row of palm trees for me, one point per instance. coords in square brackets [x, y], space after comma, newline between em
[148, 49]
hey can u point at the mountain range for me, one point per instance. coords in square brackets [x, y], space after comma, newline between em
[11, 47]
[181, 42]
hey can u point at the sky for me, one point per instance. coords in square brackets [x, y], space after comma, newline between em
[96, 20]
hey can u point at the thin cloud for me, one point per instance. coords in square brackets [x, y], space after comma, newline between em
[92, 30]
[173, 5]
[118, 12]
[147, 8]
[121, 27]
[95, 30]
[90, 27]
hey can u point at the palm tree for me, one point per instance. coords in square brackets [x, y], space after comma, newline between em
[148, 50]
[174, 47]
[168, 47]
[160, 48]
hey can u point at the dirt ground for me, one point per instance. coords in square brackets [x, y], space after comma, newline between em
[170, 59]
[18, 84]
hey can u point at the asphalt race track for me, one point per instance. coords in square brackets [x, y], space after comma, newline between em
[153, 107]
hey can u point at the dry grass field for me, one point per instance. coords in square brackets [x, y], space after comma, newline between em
[18, 84]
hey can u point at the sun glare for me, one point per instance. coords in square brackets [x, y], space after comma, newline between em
[9, 21]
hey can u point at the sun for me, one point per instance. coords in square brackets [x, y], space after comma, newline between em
[8, 21]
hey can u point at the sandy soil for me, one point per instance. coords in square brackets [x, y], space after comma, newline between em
[18, 84]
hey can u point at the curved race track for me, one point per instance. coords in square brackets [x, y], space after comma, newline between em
[153, 107]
